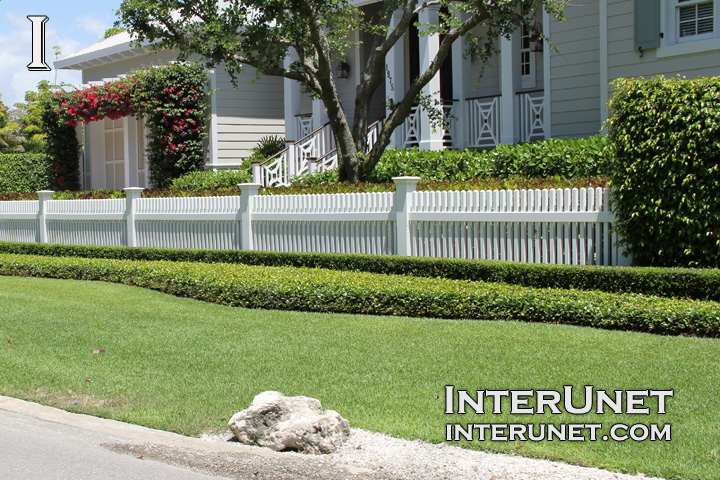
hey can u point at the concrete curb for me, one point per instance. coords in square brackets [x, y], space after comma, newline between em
[127, 431]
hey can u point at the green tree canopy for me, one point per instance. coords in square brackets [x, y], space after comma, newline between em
[263, 33]
[9, 131]
[29, 116]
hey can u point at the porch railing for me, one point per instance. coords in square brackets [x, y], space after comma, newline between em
[483, 117]
[531, 107]
[293, 160]
[304, 125]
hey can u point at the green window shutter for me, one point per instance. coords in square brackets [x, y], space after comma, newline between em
[647, 24]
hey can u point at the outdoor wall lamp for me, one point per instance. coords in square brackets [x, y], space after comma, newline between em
[538, 43]
[343, 69]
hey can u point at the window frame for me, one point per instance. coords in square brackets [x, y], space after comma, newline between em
[672, 45]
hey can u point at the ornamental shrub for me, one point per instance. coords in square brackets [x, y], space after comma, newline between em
[318, 290]
[173, 101]
[25, 172]
[212, 179]
[174, 104]
[688, 283]
[567, 158]
[62, 145]
[666, 169]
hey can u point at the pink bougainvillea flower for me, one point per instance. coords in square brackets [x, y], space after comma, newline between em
[95, 352]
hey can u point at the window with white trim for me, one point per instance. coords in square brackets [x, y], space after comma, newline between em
[689, 27]
[527, 59]
[694, 20]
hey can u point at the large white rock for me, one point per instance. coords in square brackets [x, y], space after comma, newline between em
[290, 423]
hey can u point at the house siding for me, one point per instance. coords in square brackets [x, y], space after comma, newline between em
[245, 114]
[575, 72]
[624, 61]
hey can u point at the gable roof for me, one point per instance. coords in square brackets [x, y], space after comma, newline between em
[108, 50]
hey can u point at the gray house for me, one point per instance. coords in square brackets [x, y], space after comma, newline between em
[115, 150]
[531, 91]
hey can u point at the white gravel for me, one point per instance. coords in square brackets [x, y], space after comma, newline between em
[368, 455]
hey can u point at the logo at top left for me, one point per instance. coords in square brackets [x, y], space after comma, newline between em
[38, 44]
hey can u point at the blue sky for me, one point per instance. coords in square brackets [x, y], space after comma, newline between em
[71, 25]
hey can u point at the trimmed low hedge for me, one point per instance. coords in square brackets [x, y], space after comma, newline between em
[25, 172]
[567, 158]
[666, 282]
[319, 290]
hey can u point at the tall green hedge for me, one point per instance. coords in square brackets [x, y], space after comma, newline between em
[666, 169]
[25, 172]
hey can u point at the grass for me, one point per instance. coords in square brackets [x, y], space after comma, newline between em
[187, 366]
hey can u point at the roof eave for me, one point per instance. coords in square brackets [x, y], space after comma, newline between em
[101, 57]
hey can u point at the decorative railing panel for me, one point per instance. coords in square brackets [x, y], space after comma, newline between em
[532, 116]
[483, 117]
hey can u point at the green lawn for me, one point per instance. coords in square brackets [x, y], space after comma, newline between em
[187, 366]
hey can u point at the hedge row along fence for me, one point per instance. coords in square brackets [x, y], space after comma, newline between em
[666, 282]
[171, 99]
[25, 172]
[318, 290]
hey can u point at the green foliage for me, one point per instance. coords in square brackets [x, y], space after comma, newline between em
[666, 169]
[566, 158]
[173, 102]
[9, 132]
[325, 177]
[32, 132]
[318, 290]
[212, 179]
[313, 184]
[25, 172]
[113, 31]
[62, 145]
[666, 282]
[267, 147]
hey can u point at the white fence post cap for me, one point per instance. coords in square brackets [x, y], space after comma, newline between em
[250, 187]
[405, 180]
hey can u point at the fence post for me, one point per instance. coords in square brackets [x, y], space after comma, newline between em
[43, 197]
[404, 186]
[248, 192]
[132, 194]
[312, 165]
[257, 171]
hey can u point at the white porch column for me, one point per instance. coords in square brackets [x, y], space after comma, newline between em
[395, 76]
[509, 123]
[319, 114]
[130, 138]
[461, 76]
[292, 102]
[431, 137]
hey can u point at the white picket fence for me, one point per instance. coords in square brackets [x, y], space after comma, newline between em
[540, 226]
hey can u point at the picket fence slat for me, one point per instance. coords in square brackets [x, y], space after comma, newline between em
[571, 226]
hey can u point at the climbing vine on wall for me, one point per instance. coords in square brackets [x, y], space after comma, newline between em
[173, 101]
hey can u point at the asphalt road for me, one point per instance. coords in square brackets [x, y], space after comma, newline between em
[43, 442]
[38, 443]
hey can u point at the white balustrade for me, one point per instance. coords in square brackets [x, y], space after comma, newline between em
[532, 124]
[483, 116]
[410, 129]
